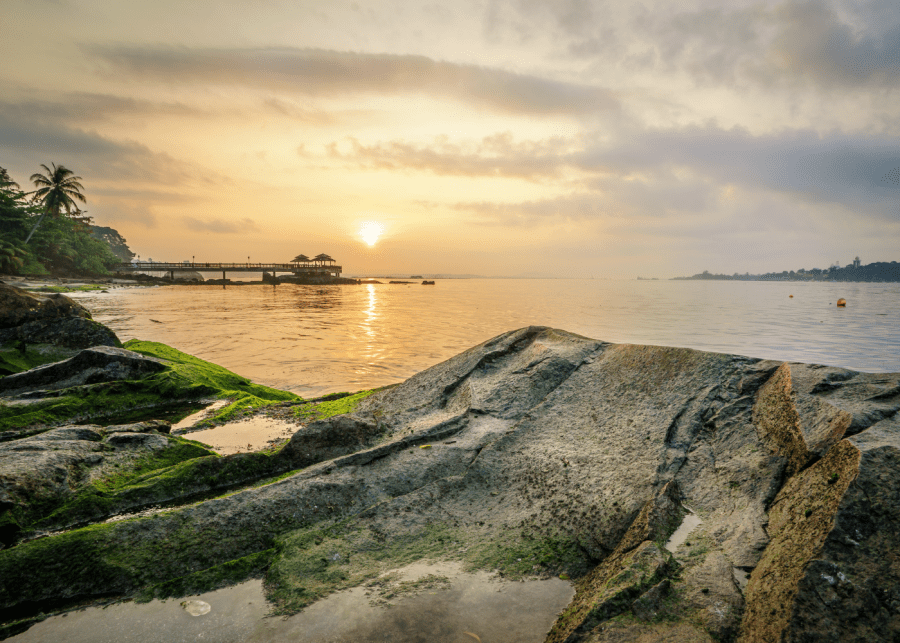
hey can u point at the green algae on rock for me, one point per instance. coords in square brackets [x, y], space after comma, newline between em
[39, 329]
[184, 379]
[332, 405]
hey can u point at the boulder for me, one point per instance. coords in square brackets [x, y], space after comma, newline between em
[541, 452]
[187, 275]
[89, 366]
[19, 306]
[130, 440]
[36, 329]
[71, 332]
[50, 466]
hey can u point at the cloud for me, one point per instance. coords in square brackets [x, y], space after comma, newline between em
[498, 155]
[84, 107]
[35, 139]
[838, 168]
[220, 226]
[826, 45]
[610, 198]
[114, 211]
[326, 73]
[815, 44]
[658, 171]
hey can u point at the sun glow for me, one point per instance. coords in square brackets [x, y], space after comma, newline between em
[369, 231]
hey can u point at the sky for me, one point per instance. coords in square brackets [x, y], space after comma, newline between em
[574, 138]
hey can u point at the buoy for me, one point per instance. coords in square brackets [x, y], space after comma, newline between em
[791, 296]
[842, 303]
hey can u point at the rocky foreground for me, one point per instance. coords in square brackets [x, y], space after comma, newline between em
[538, 452]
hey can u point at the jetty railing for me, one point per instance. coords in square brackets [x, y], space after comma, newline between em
[310, 268]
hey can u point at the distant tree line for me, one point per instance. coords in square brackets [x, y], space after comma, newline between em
[44, 232]
[878, 271]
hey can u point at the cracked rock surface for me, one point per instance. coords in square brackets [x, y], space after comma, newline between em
[539, 435]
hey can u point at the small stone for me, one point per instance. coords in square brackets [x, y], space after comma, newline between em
[196, 608]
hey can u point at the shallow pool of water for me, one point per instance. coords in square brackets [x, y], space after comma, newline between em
[467, 608]
[247, 435]
[690, 522]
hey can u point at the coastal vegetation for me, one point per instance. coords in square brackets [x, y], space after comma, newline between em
[44, 232]
[880, 271]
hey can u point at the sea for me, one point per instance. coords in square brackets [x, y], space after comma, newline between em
[316, 340]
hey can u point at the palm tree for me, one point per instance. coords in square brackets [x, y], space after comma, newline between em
[6, 182]
[56, 191]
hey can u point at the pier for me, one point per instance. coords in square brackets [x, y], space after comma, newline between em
[310, 269]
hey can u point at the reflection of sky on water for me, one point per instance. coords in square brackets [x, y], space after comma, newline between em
[321, 339]
[371, 315]
[372, 352]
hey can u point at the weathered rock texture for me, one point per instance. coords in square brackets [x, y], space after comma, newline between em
[541, 436]
[28, 318]
[89, 366]
[55, 461]
[19, 306]
[38, 329]
[50, 466]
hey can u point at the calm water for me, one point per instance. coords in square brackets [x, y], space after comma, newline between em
[321, 339]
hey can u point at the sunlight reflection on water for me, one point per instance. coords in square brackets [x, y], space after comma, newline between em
[321, 339]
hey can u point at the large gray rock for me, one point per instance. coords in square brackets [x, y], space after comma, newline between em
[51, 465]
[55, 320]
[89, 366]
[545, 436]
[19, 307]
[73, 332]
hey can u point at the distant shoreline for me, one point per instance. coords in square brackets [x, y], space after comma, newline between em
[878, 272]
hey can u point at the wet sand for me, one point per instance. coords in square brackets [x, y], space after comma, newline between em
[465, 608]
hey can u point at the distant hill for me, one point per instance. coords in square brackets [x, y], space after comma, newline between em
[879, 271]
[114, 240]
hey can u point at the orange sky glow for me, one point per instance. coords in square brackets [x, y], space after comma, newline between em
[500, 138]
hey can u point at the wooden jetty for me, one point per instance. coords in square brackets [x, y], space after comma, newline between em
[309, 269]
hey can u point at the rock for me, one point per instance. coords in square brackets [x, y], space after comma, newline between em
[160, 426]
[43, 466]
[187, 275]
[636, 565]
[73, 332]
[140, 440]
[709, 592]
[556, 453]
[831, 571]
[327, 439]
[19, 307]
[37, 329]
[89, 366]
[50, 466]
[648, 606]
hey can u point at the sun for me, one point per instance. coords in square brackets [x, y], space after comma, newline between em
[370, 231]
